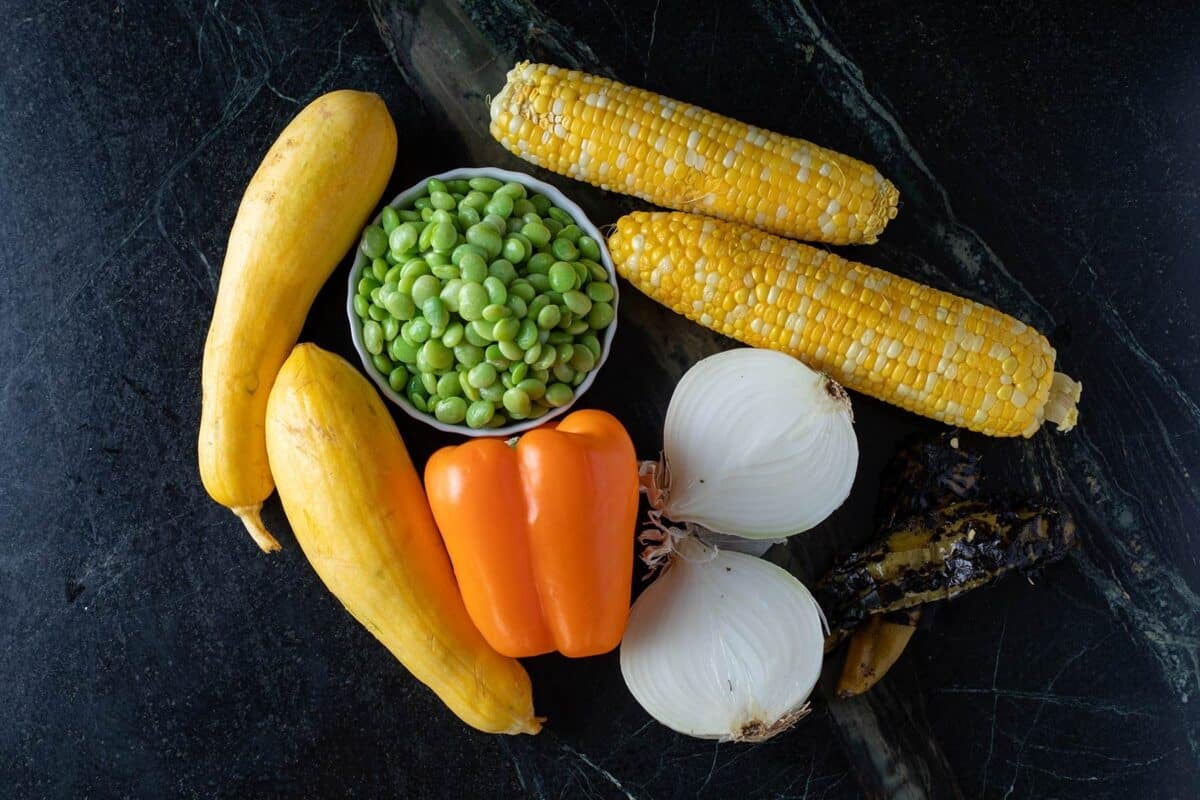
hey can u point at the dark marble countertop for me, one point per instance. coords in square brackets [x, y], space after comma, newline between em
[1048, 161]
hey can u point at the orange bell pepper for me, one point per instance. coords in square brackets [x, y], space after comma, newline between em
[541, 534]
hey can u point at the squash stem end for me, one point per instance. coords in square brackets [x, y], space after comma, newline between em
[250, 517]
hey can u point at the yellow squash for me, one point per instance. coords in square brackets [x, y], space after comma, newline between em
[302, 211]
[359, 512]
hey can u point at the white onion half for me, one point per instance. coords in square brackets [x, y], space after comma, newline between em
[723, 645]
[756, 445]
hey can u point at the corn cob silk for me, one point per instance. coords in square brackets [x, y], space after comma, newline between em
[928, 351]
[677, 155]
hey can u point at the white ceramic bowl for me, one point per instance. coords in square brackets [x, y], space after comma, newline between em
[533, 185]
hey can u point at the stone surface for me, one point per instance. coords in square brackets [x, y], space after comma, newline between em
[1047, 161]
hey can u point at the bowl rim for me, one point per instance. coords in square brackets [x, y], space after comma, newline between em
[559, 199]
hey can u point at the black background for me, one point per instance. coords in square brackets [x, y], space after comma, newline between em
[1047, 159]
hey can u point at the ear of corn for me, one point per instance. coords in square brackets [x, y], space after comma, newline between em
[924, 350]
[629, 140]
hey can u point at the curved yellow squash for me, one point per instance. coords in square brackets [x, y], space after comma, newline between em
[359, 512]
[304, 208]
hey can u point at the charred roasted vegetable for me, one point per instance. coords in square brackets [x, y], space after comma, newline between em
[941, 554]
[938, 540]
[874, 648]
[926, 473]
